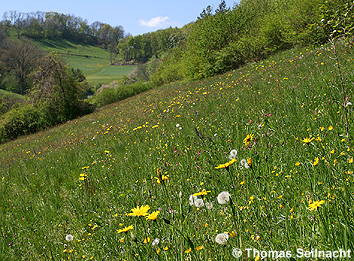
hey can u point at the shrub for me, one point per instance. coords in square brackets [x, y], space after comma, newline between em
[21, 121]
[111, 95]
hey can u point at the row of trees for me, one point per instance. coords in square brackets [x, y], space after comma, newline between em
[143, 47]
[52, 25]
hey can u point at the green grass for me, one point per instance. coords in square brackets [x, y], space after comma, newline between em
[12, 95]
[122, 149]
[93, 61]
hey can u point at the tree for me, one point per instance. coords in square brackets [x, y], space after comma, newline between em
[20, 58]
[222, 8]
[57, 91]
[208, 11]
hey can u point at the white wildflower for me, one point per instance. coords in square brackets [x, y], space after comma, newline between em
[69, 237]
[209, 205]
[198, 203]
[192, 200]
[243, 163]
[347, 103]
[221, 238]
[155, 242]
[233, 154]
[223, 197]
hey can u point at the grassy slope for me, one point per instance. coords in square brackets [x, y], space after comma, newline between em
[122, 147]
[5, 94]
[93, 61]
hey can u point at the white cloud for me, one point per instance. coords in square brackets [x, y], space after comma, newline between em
[155, 22]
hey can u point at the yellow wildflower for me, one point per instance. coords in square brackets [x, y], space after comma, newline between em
[330, 128]
[297, 164]
[202, 193]
[153, 215]
[248, 139]
[307, 140]
[187, 251]
[147, 240]
[226, 165]
[125, 229]
[249, 161]
[314, 205]
[198, 248]
[139, 211]
[316, 161]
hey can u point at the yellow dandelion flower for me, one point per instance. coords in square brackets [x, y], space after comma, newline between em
[166, 248]
[249, 161]
[257, 258]
[125, 229]
[330, 128]
[202, 193]
[297, 164]
[316, 204]
[248, 139]
[307, 140]
[187, 251]
[350, 161]
[226, 165]
[198, 248]
[232, 234]
[316, 161]
[140, 211]
[153, 215]
[147, 240]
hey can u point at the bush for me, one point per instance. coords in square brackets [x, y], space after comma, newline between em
[21, 121]
[111, 95]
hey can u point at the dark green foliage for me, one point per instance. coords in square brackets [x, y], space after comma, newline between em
[111, 95]
[57, 96]
[21, 121]
[58, 91]
[141, 48]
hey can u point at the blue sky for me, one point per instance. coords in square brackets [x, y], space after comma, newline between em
[136, 16]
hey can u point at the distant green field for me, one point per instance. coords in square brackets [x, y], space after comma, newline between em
[93, 61]
[4, 93]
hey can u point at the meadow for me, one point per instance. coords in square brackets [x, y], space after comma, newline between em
[93, 61]
[157, 176]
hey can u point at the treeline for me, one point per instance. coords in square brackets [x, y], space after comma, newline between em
[52, 25]
[252, 30]
[54, 92]
[141, 48]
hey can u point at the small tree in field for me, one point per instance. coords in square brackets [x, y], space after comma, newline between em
[58, 92]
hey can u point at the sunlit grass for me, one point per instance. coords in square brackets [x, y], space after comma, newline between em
[158, 148]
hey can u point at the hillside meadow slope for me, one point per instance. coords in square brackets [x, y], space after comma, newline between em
[289, 186]
[93, 61]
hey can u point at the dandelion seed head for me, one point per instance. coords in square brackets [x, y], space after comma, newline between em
[69, 237]
[233, 154]
[198, 203]
[221, 238]
[223, 197]
[155, 242]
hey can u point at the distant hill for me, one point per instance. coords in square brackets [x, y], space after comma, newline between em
[93, 61]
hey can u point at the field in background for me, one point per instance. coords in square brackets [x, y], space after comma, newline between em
[92, 60]
[287, 116]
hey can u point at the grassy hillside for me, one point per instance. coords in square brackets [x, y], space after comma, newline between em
[92, 60]
[9, 99]
[7, 94]
[284, 116]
